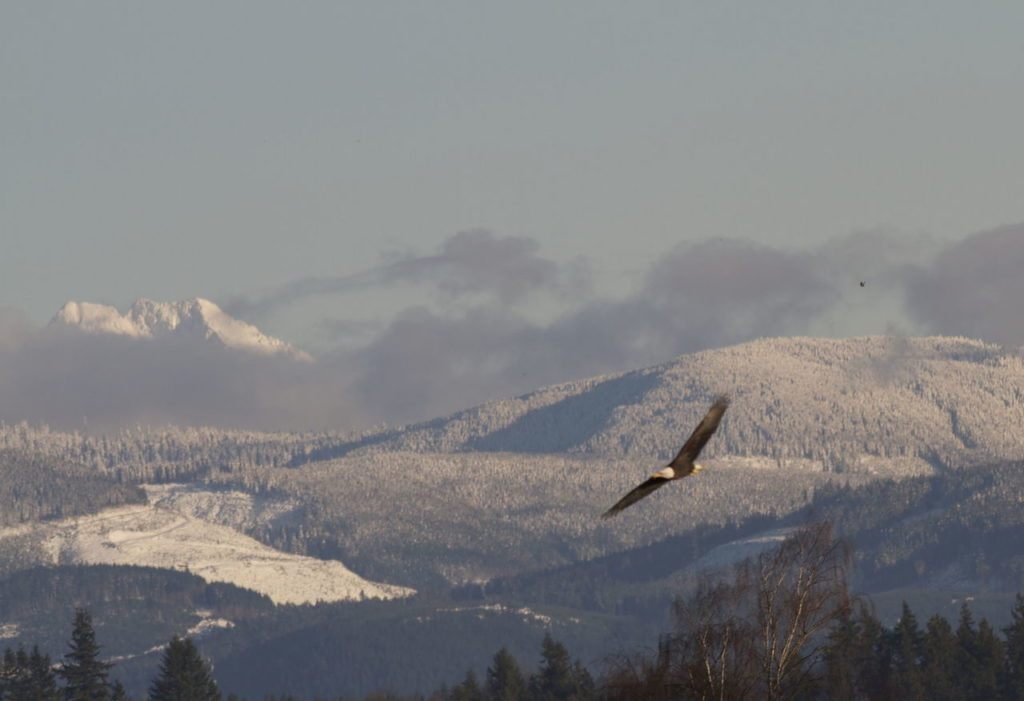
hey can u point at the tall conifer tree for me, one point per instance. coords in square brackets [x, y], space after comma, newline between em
[554, 680]
[504, 680]
[468, 690]
[84, 673]
[938, 660]
[118, 692]
[43, 680]
[1013, 679]
[184, 675]
[558, 679]
[840, 682]
[989, 656]
[906, 647]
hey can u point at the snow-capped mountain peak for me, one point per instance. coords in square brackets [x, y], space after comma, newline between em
[193, 318]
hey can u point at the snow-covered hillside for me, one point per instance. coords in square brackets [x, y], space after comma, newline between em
[153, 536]
[194, 319]
[845, 404]
[226, 507]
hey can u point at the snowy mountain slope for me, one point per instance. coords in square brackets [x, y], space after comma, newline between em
[193, 319]
[232, 508]
[443, 519]
[148, 535]
[844, 404]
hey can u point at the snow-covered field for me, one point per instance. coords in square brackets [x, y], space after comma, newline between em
[155, 536]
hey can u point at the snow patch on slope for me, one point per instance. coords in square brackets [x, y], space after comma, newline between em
[527, 615]
[195, 318]
[226, 507]
[739, 550]
[205, 626]
[152, 536]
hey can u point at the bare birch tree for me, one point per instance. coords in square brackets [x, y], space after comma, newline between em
[756, 636]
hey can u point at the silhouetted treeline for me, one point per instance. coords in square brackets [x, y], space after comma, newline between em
[859, 659]
[781, 625]
[785, 627]
[184, 675]
[83, 675]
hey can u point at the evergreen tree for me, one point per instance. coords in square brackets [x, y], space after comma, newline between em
[6, 672]
[840, 682]
[27, 676]
[989, 657]
[557, 679]
[939, 660]
[118, 692]
[14, 675]
[966, 640]
[468, 690]
[184, 675]
[874, 658]
[1013, 677]
[979, 658]
[906, 648]
[585, 686]
[84, 673]
[504, 680]
[43, 681]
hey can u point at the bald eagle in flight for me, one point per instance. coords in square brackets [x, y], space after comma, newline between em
[683, 464]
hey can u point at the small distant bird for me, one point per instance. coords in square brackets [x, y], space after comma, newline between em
[683, 465]
[862, 283]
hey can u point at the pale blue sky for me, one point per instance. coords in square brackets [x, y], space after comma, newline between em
[217, 149]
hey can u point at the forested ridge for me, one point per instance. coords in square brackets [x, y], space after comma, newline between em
[957, 532]
[806, 414]
[837, 403]
[844, 652]
[844, 405]
[35, 486]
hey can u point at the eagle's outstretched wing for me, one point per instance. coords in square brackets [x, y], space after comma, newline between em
[636, 495]
[700, 436]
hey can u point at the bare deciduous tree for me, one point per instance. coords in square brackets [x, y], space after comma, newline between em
[756, 636]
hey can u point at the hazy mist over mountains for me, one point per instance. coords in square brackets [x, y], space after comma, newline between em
[482, 330]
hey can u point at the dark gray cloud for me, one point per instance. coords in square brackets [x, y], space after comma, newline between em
[429, 360]
[718, 292]
[974, 288]
[696, 296]
[469, 263]
[878, 257]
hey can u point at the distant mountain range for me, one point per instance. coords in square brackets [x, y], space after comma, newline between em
[193, 319]
[859, 404]
[910, 446]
